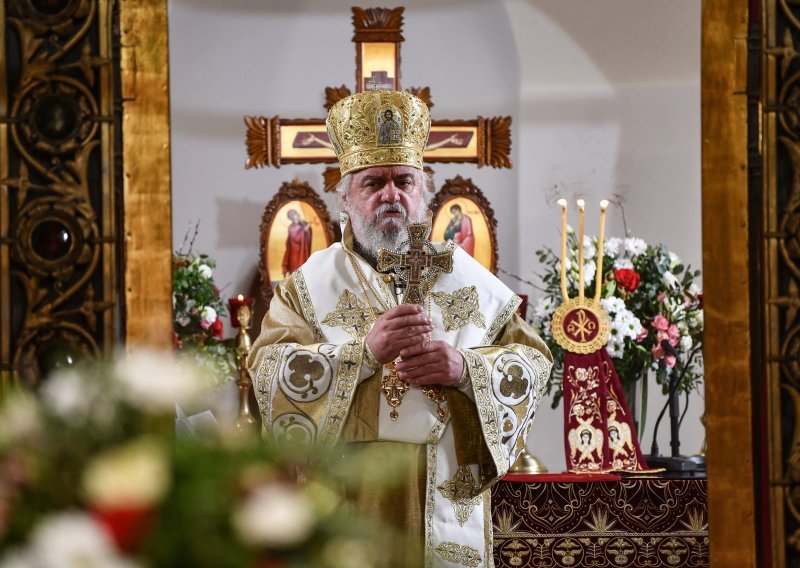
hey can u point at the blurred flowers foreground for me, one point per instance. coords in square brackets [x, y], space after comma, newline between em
[91, 475]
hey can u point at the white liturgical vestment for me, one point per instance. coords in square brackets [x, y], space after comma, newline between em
[315, 382]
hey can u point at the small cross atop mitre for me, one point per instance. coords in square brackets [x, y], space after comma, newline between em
[420, 265]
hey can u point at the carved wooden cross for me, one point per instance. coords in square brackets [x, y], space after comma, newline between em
[273, 141]
[420, 266]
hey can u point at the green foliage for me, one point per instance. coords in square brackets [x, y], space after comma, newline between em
[197, 312]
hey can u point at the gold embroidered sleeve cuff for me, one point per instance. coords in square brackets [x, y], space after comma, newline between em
[463, 382]
[369, 358]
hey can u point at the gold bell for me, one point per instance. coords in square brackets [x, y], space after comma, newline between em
[528, 464]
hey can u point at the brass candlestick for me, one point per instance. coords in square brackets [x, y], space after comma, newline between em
[245, 421]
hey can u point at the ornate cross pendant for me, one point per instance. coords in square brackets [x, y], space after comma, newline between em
[420, 265]
[394, 389]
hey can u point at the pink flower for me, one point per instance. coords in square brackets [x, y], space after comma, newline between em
[670, 361]
[660, 322]
[642, 335]
[661, 297]
[674, 334]
[658, 352]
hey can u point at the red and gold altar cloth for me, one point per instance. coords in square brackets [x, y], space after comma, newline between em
[658, 523]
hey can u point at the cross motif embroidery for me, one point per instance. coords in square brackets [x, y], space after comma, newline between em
[420, 266]
[459, 308]
[462, 492]
[351, 314]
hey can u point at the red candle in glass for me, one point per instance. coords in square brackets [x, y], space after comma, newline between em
[234, 304]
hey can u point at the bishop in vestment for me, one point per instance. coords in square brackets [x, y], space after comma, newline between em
[452, 384]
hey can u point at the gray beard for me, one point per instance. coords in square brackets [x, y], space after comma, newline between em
[371, 238]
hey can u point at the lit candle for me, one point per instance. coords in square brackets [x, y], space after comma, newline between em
[599, 278]
[563, 203]
[235, 304]
[581, 207]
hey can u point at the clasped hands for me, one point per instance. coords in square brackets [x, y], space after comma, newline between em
[403, 331]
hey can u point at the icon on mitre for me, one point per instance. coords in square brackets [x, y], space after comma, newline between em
[599, 434]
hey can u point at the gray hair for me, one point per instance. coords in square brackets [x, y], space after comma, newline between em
[343, 187]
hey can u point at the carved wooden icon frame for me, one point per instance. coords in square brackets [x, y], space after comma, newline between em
[275, 232]
[462, 194]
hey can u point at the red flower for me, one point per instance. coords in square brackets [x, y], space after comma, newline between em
[176, 341]
[216, 328]
[127, 526]
[627, 279]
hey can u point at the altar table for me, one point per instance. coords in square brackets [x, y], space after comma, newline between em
[570, 521]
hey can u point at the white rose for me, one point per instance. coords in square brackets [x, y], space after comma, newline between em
[669, 280]
[693, 289]
[686, 343]
[274, 516]
[205, 271]
[674, 260]
[209, 314]
[133, 475]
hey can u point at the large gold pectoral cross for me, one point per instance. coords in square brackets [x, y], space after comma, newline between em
[418, 268]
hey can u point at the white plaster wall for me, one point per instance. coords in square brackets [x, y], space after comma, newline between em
[604, 97]
[610, 107]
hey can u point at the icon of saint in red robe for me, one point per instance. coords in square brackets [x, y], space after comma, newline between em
[460, 230]
[298, 243]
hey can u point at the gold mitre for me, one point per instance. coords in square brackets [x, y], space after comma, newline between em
[379, 128]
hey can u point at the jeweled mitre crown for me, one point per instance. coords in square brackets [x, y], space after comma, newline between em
[379, 128]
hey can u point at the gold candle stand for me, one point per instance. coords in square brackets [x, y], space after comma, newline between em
[244, 421]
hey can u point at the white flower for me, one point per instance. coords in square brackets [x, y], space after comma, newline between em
[693, 289]
[669, 280]
[155, 381]
[209, 314]
[686, 343]
[622, 262]
[613, 305]
[543, 308]
[611, 246]
[589, 248]
[589, 270]
[68, 394]
[635, 247]
[204, 270]
[71, 539]
[674, 260]
[274, 516]
[133, 475]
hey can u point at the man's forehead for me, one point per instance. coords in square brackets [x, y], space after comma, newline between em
[387, 172]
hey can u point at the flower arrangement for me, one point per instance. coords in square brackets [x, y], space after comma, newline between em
[650, 296]
[197, 310]
[91, 475]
